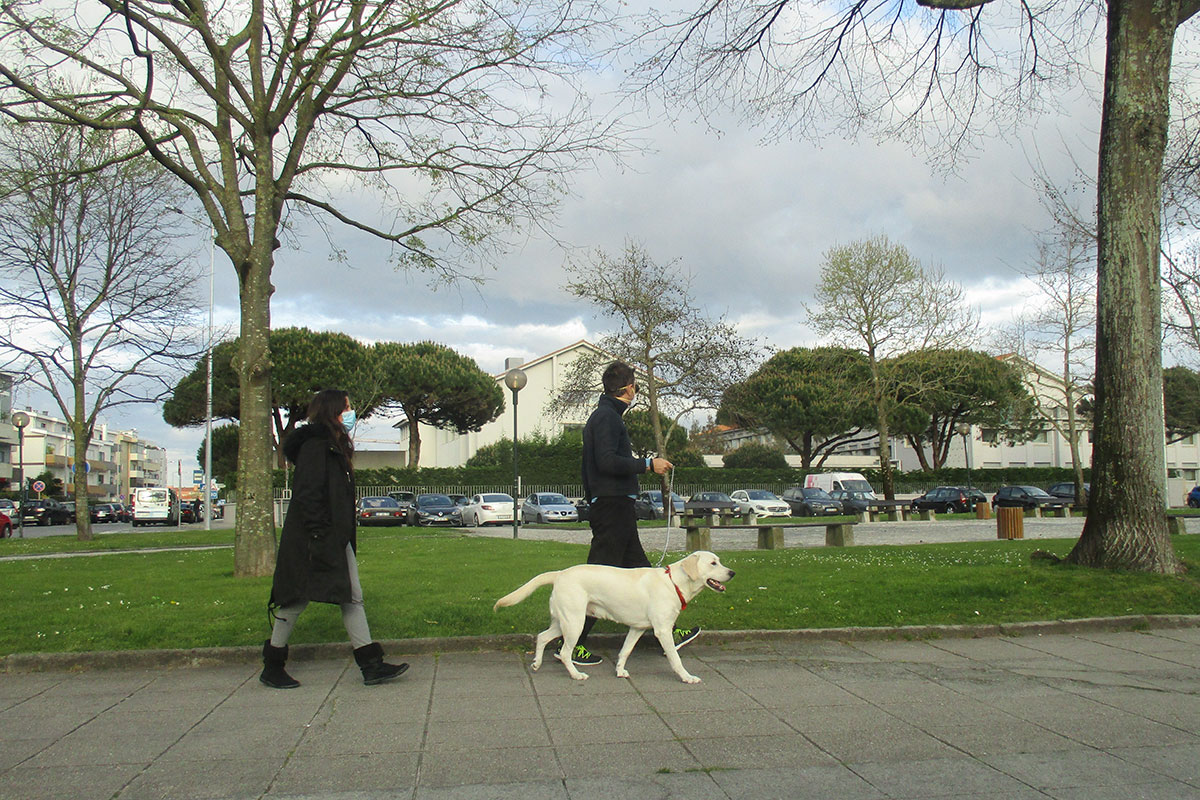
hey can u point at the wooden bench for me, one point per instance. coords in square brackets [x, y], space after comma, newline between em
[770, 535]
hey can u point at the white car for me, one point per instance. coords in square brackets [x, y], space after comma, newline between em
[488, 509]
[761, 502]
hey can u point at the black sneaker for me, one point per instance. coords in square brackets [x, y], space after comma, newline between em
[685, 635]
[582, 657]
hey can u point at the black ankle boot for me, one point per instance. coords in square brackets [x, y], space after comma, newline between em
[273, 673]
[370, 660]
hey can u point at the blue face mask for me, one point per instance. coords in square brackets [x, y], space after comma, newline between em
[349, 419]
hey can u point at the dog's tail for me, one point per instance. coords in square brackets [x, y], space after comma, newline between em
[535, 583]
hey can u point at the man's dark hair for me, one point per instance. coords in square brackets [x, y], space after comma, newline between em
[617, 376]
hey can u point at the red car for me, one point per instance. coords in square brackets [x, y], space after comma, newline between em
[5, 526]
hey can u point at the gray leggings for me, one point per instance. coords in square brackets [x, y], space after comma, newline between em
[354, 617]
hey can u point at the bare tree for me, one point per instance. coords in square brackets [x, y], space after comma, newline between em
[875, 297]
[455, 118]
[939, 71]
[1060, 327]
[98, 308]
[686, 357]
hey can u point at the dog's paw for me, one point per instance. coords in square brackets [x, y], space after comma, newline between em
[690, 679]
[579, 676]
[535, 666]
[622, 673]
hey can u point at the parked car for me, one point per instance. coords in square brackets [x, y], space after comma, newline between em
[761, 502]
[949, 499]
[106, 512]
[8, 508]
[649, 505]
[811, 502]
[125, 514]
[6, 526]
[583, 509]
[1066, 491]
[379, 511]
[153, 505]
[548, 507]
[406, 499]
[711, 503]
[1193, 497]
[434, 509]
[854, 502]
[490, 508]
[459, 500]
[47, 511]
[1026, 497]
[187, 512]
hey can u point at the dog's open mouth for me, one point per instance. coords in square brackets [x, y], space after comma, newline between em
[715, 585]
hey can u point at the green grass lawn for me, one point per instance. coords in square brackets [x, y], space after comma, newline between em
[441, 583]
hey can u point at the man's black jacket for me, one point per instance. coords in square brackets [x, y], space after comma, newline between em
[609, 467]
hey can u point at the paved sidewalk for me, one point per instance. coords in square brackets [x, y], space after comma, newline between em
[1067, 715]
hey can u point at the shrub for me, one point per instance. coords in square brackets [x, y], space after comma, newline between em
[754, 455]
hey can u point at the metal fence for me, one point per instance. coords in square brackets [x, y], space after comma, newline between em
[571, 490]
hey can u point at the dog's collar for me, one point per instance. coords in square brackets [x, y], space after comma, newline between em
[682, 602]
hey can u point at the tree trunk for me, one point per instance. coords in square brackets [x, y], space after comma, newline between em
[414, 445]
[1126, 526]
[83, 518]
[254, 538]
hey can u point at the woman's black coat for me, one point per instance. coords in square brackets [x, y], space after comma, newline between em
[311, 564]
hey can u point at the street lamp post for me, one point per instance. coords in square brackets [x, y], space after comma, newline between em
[20, 420]
[206, 490]
[964, 430]
[515, 379]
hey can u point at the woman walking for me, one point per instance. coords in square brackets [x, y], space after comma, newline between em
[316, 560]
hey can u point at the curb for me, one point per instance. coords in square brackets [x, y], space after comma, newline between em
[237, 656]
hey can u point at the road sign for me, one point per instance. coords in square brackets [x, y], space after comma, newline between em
[197, 477]
[39, 486]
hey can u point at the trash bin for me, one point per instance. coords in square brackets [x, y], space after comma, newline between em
[1010, 523]
[983, 511]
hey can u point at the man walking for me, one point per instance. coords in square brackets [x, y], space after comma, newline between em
[610, 484]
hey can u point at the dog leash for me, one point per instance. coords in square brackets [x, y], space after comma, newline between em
[668, 503]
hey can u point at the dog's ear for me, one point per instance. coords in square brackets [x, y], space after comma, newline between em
[691, 566]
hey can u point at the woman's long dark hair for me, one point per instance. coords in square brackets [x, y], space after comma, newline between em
[325, 409]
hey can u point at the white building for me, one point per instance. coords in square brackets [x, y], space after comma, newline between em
[8, 434]
[983, 448]
[446, 448]
[117, 461]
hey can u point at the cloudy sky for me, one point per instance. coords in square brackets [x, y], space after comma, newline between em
[749, 219]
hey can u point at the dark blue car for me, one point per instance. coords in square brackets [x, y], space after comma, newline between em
[1193, 497]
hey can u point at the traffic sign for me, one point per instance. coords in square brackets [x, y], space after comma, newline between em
[39, 486]
[197, 477]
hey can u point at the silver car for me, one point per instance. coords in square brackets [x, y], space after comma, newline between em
[761, 502]
[548, 507]
[490, 508]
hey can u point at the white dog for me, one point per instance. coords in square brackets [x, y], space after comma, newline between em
[642, 598]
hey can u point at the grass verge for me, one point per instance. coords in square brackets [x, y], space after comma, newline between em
[442, 583]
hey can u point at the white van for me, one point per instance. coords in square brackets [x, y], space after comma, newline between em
[155, 505]
[838, 481]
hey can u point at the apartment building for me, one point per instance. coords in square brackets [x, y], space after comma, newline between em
[117, 461]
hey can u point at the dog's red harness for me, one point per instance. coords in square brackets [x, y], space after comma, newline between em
[682, 602]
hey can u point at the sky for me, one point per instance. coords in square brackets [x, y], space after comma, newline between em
[748, 219]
